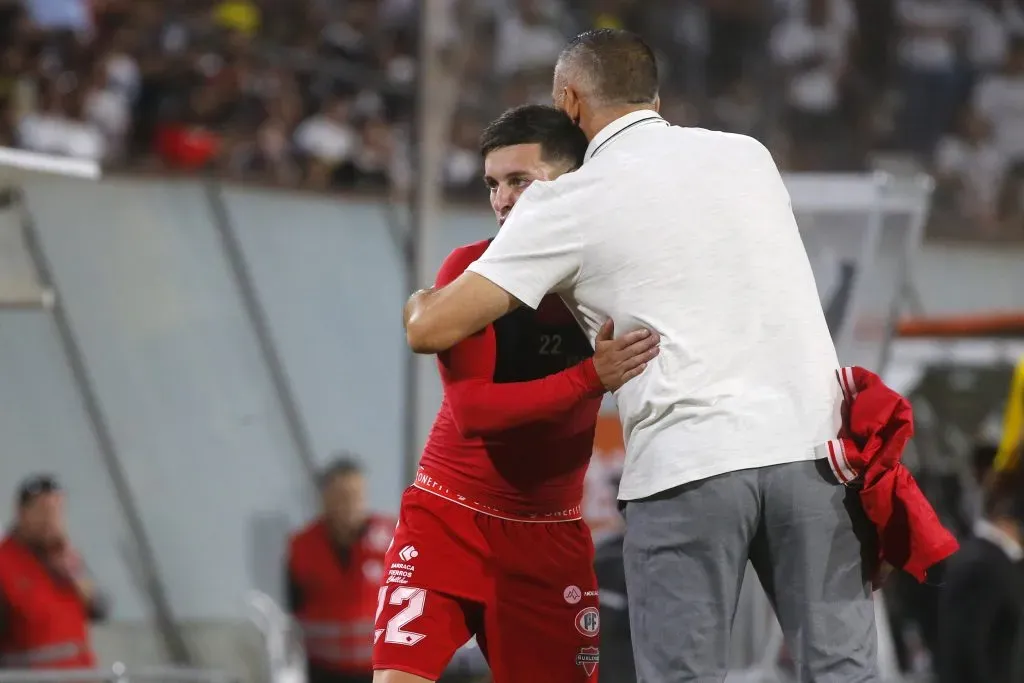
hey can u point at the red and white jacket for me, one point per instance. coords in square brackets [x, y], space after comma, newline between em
[877, 423]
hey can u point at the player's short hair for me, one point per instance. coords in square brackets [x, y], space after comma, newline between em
[618, 65]
[342, 465]
[536, 124]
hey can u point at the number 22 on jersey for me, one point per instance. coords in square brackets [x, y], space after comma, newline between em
[394, 631]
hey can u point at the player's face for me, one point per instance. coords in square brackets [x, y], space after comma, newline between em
[508, 171]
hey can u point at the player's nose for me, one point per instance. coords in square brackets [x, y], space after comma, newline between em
[503, 202]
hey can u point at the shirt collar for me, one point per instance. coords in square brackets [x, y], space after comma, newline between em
[988, 531]
[617, 126]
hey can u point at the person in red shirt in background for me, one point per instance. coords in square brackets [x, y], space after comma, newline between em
[335, 565]
[47, 598]
[490, 541]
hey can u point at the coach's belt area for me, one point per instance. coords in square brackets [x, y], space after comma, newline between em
[427, 483]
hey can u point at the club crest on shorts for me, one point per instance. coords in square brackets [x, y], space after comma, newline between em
[572, 594]
[587, 657]
[588, 622]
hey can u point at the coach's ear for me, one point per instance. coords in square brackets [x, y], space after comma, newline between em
[571, 104]
[657, 103]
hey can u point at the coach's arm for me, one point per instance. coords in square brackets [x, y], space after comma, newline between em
[438, 319]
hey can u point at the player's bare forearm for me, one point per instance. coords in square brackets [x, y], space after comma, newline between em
[438, 319]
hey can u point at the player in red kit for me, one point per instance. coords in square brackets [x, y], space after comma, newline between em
[490, 540]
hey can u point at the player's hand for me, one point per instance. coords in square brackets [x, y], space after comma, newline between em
[619, 360]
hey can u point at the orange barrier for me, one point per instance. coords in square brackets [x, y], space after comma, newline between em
[1008, 324]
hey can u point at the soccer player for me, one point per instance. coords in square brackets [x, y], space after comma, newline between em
[691, 233]
[490, 540]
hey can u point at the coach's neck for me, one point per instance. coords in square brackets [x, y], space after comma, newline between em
[594, 121]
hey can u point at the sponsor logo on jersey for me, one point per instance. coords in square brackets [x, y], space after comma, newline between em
[401, 572]
[588, 622]
[587, 657]
[572, 594]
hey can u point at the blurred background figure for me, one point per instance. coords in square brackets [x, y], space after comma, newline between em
[981, 609]
[334, 569]
[47, 598]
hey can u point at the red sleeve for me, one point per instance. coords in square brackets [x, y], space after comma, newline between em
[482, 407]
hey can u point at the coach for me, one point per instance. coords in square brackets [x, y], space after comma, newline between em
[691, 233]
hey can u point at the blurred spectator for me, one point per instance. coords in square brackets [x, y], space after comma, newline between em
[987, 35]
[812, 46]
[327, 141]
[376, 154]
[970, 167]
[738, 108]
[59, 127]
[1011, 203]
[60, 15]
[529, 37]
[1014, 14]
[238, 15]
[335, 567]
[463, 167]
[927, 51]
[46, 596]
[981, 612]
[109, 109]
[736, 33]
[1000, 99]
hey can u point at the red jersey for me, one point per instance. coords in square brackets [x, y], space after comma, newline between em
[515, 430]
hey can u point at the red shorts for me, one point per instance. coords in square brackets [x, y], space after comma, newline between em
[526, 590]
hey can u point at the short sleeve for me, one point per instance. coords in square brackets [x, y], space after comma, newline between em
[538, 250]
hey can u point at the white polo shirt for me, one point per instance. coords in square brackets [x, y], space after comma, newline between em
[688, 232]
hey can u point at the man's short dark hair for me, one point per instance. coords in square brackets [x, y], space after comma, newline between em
[621, 67]
[342, 465]
[35, 486]
[536, 124]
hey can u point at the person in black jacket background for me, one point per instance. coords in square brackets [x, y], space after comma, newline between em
[981, 609]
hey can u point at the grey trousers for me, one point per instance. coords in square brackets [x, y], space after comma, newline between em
[686, 550]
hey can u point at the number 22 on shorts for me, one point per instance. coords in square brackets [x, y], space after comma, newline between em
[394, 631]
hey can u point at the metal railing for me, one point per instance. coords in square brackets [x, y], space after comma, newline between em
[286, 657]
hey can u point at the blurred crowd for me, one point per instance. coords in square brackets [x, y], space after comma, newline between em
[321, 93]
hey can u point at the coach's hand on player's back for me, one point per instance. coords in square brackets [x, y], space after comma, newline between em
[619, 360]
